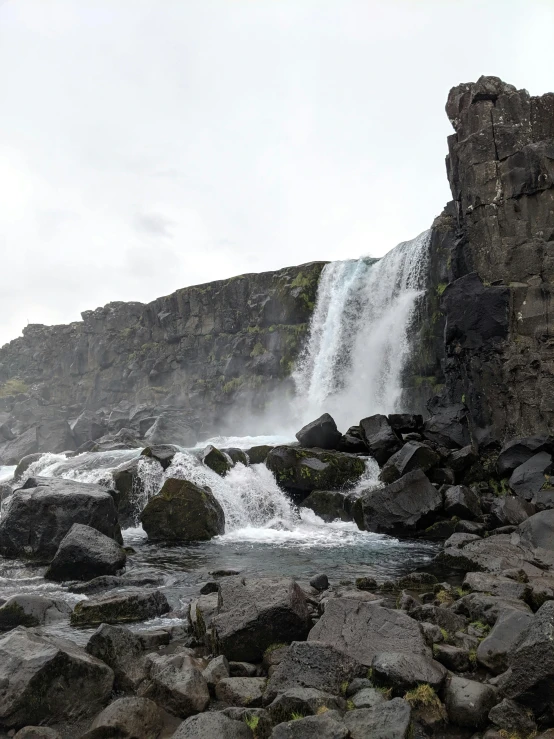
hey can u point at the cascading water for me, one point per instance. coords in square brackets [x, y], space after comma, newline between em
[358, 343]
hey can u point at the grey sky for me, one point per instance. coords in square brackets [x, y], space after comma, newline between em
[146, 145]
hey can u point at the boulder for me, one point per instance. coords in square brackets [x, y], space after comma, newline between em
[362, 630]
[85, 553]
[412, 456]
[241, 691]
[518, 451]
[303, 470]
[328, 505]
[461, 460]
[24, 464]
[487, 608]
[177, 685]
[171, 427]
[237, 456]
[11, 452]
[389, 720]
[217, 461]
[127, 718]
[250, 717]
[137, 605]
[528, 479]
[366, 698]
[162, 453]
[510, 511]
[258, 454]
[211, 726]
[40, 514]
[448, 427]
[351, 445]
[110, 582]
[461, 501]
[403, 672]
[513, 719]
[321, 433]
[217, 669]
[47, 679]
[253, 614]
[89, 426]
[494, 554]
[538, 530]
[503, 587]
[31, 610]
[128, 480]
[444, 618]
[468, 702]
[182, 511]
[55, 436]
[37, 732]
[122, 650]
[494, 650]
[453, 658]
[399, 508]
[303, 701]
[328, 725]
[320, 582]
[380, 438]
[405, 423]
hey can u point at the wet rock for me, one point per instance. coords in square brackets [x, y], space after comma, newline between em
[216, 460]
[518, 451]
[217, 669]
[405, 423]
[85, 553]
[351, 445]
[253, 614]
[362, 630]
[321, 433]
[118, 608]
[31, 610]
[511, 511]
[182, 511]
[402, 672]
[389, 720]
[24, 464]
[320, 582]
[162, 453]
[412, 456]
[32, 669]
[527, 479]
[398, 508]
[171, 427]
[258, 454]
[448, 427]
[468, 702]
[25, 444]
[129, 482]
[237, 456]
[329, 505]
[202, 612]
[212, 725]
[538, 530]
[461, 501]
[127, 718]
[303, 701]
[177, 685]
[312, 665]
[241, 691]
[88, 426]
[513, 718]
[380, 438]
[110, 582]
[122, 650]
[303, 470]
[326, 726]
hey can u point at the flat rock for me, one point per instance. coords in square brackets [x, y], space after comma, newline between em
[138, 605]
[214, 725]
[32, 610]
[403, 672]
[389, 720]
[241, 691]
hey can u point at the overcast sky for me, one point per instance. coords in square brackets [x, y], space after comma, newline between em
[146, 145]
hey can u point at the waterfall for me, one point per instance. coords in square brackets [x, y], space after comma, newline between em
[358, 344]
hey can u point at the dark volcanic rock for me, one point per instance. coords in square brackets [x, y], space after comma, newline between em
[389, 720]
[176, 684]
[380, 438]
[122, 650]
[216, 460]
[38, 517]
[171, 427]
[494, 650]
[89, 426]
[127, 718]
[211, 726]
[400, 507]
[448, 427]
[404, 423]
[328, 504]
[461, 501]
[321, 433]
[527, 479]
[538, 530]
[468, 702]
[412, 456]
[128, 481]
[118, 608]
[518, 451]
[31, 610]
[241, 691]
[327, 725]
[182, 511]
[510, 511]
[162, 453]
[304, 470]
[85, 553]
[402, 672]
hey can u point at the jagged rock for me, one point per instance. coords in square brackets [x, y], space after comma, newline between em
[528, 479]
[518, 451]
[216, 460]
[177, 685]
[412, 456]
[441, 476]
[367, 698]
[503, 587]
[321, 433]
[454, 658]
[238, 456]
[351, 445]
[513, 718]
[443, 617]
[162, 453]
[402, 672]
[511, 511]
[31, 610]
[126, 607]
[326, 726]
[362, 630]
[468, 702]
[487, 608]
[211, 725]
[122, 650]
[264, 724]
[241, 691]
[494, 554]
[538, 530]
[379, 437]
[405, 423]
[461, 460]
[328, 505]
[11, 452]
[89, 426]
[253, 614]
[461, 501]
[171, 427]
[85, 553]
[123, 439]
[127, 718]
[202, 612]
[304, 470]
[398, 508]
[303, 701]
[41, 514]
[389, 720]
[448, 427]
[32, 669]
[217, 669]
[182, 511]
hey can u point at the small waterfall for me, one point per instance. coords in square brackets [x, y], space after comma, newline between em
[358, 344]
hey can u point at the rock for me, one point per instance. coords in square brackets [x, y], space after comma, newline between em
[518, 451]
[503, 587]
[237, 456]
[202, 612]
[461, 501]
[367, 698]
[351, 445]
[468, 702]
[379, 437]
[454, 658]
[389, 720]
[511, 511]
[137, 605]
[250, 716]
[162, 453]
[127, 718]
[89, 426]
[494, 554]
[444, 618]
[366, 583]
[241, 691]
[326, 726]
[85, 553]
[398, 508]
[123, 439]
[37, 732]
[329, 505]
[211, 726]
[122, 650]
[513, 718]
[448, 427]
[171, 427]
[40, 515]
[24, 464]
[405, 423]
[253, 614]
[461, 460]
[312, 665]
[258, 454]
[303, 701]
[216, 460]
[129, 482]
[362, 630]
[303, 470]
[177, 685]
[182, 511]
[441, 476]
[110, 582]
[528, 479]
[321, 433]
[32, 669]
[412, 456]
[217, 669]
[538, 530]
[487, 608]
[320, 582]
[25, 444]
[402, 672]
[31, 610]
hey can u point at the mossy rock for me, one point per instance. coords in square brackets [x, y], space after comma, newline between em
[216, 460]
[120, 608]
[305, 470]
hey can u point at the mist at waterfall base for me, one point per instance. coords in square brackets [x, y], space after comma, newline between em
[351, 368]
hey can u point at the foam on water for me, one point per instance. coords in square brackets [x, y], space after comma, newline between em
[6, 473]
[245, 442]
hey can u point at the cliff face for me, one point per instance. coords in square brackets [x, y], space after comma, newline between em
[198, 350]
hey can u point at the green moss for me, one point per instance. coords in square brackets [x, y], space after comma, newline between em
[500, 489]
[344, 687]
[258, 349]
[473, 657]
[423, 696]
[485, 628]
[386, 692]
[233, 385]
[252, 722]
[273, 648]
[15, 386]
[295, 716]
[445, 634]
[441, 287]
[350, 705]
